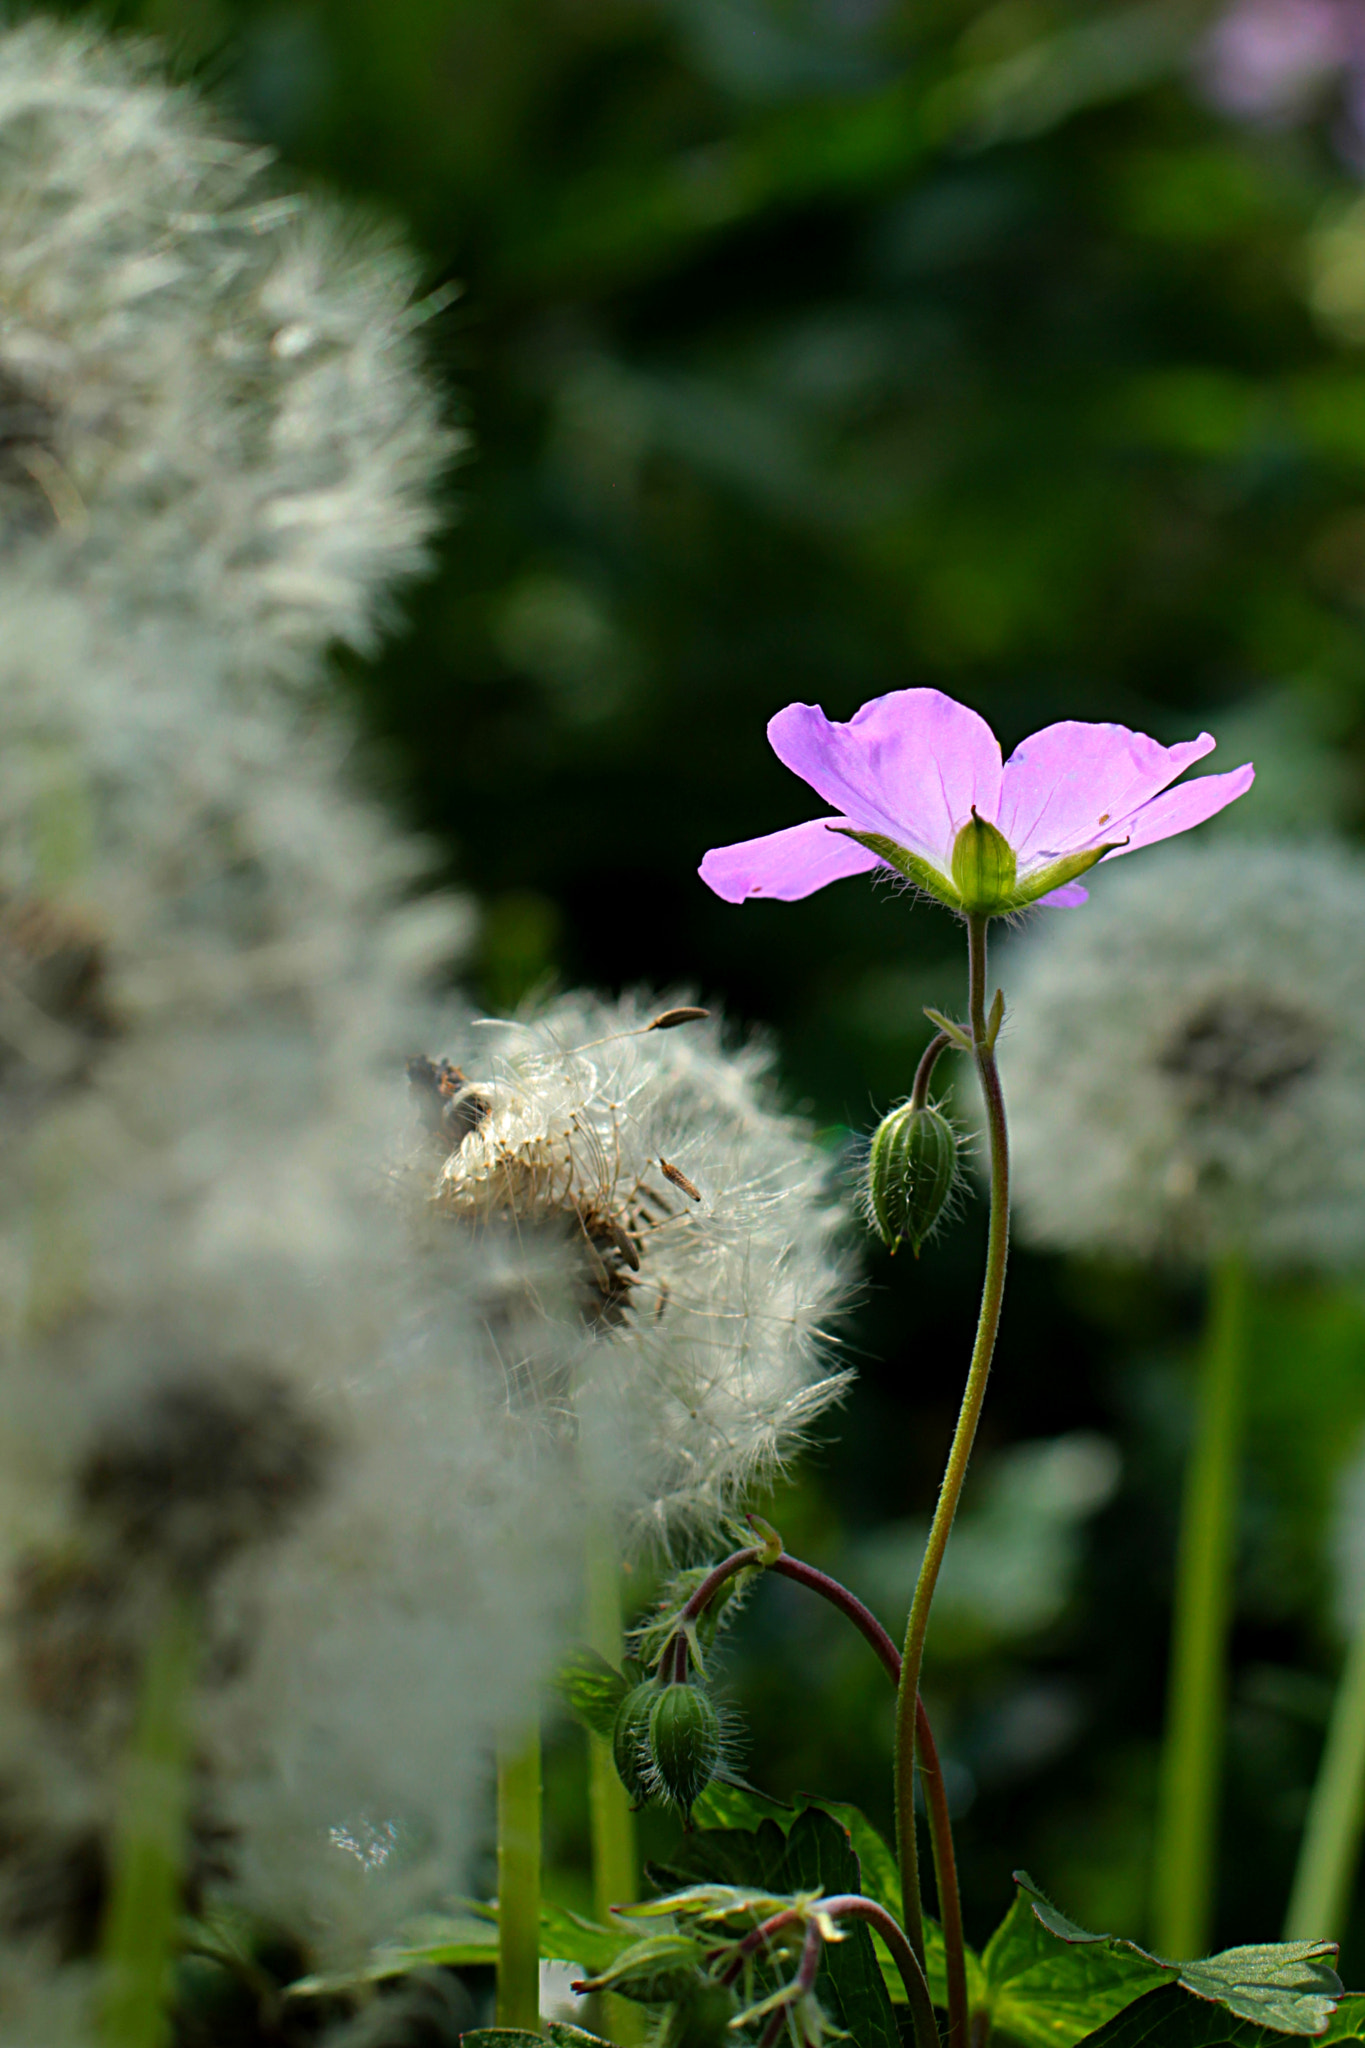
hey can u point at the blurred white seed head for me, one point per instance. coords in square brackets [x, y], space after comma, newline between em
[211, 399]
[1185, 1064]
[220, 1366]
[217, 1356]
[693, 1233]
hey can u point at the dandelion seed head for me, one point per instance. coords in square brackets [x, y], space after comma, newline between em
[211, 397]
[697, 1230]
[1186, 1073]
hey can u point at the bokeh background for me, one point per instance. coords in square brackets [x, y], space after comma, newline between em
[811, 348]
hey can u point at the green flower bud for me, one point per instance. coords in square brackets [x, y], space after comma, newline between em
[655, 1971]
[684, 1744]
[984, 869]
[630, 1737]
[910, 1173]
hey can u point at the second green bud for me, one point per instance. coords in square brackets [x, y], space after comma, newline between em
[911, 1172]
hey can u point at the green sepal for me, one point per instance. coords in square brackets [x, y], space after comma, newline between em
[1044, 880]
[592, 1690]
[984, 868]
[920, 872]
[958, 1033]
[655, 1971]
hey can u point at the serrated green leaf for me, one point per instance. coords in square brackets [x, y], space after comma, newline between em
[500, 2037]
[565, 2036]
[1287, 1985]
[1171, 2018]
[592, 1690]
[1049, 1983]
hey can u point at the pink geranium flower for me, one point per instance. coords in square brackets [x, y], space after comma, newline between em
[918, 786]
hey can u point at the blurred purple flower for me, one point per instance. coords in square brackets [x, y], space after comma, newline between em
[1267, 60]
[920, 780]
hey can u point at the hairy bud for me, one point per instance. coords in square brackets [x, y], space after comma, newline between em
[630, 1739]
[910, 1173]
[684, 1744]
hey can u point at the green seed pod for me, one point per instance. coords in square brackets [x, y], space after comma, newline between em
[684, 1744]
[630, 1739]
[910, 1173]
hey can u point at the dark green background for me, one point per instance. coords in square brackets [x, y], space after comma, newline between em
[813, 348]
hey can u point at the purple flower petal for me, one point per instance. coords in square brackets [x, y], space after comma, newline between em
[1070, 785]
[909, 765]
[1179, 809]
[786, 865]
[1069, 897]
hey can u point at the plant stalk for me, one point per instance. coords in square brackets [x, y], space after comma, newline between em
[974, 1394]
[142, 1916]
[931, 1776]
[518, 2001]
[1329, 1855]
[1192, 1752]
[614, 1865]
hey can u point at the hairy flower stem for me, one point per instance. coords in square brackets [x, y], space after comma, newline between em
[919, 1094]
[142, 1916]
[931, 1771]
[974, 1394]
[1191, 1763]
[1329, 1854]
[518, 2001]
[611, 1819]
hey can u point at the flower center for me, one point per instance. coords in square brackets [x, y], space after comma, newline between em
[1243, 1050]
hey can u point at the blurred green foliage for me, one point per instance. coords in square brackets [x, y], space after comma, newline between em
[812, 348]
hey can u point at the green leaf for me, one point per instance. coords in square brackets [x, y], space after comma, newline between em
[1172, 2018]
[567, 1937]
[732, 1805]
[469, 1940]
[1287, 1985]
[592, 1690]
[1051, 1984]
[500, 2037]
[1048, 1983]
[565, 2036]
[813, 1855]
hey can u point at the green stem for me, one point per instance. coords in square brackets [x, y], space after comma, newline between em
[518, 2002]
[142, 1916]
[1192, 1752]
[614, 1865]
[988, 1324]
[1330, 1852]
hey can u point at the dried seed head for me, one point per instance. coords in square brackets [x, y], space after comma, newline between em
[704, 1289]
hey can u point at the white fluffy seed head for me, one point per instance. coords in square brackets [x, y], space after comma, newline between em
[698, 1244]
[211, 402]
[210, 983]
[1185, 1068]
